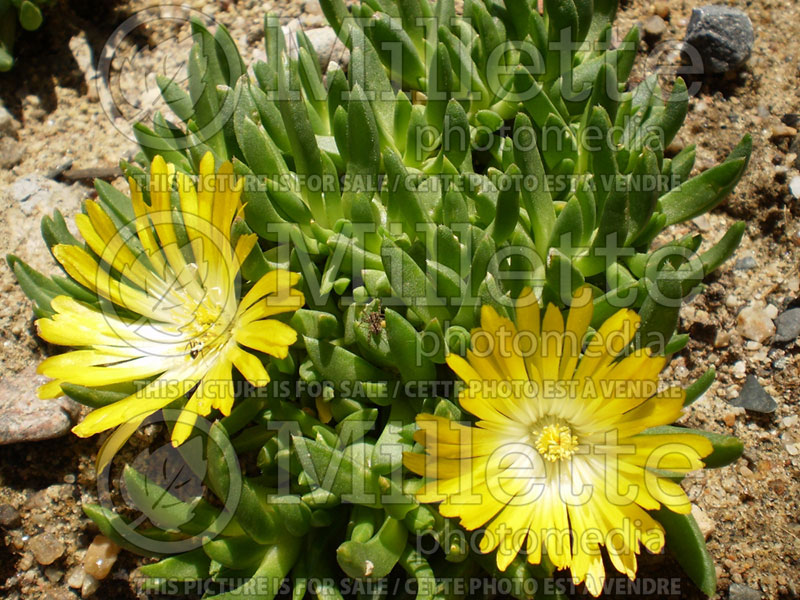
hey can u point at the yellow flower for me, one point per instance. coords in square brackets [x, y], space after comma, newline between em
[169, 308]
[557, 462]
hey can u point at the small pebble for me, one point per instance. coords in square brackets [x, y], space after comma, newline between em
[75, 577]
[782, 131]
[738, 591]
[26, 562]
[739, 369]
[794, 186]
[789, 422]
[754, 323]
[100, 557]
[722, 339]
[702, 222]
[787, 326]
[780, 362]
[771, 311]
[704, 522]
[654, 26]
[9, 517]
[89, 587]
[661, 9]
[8, 124]
[754, 397]
[11, 152]
[746, 263]
[46, 548]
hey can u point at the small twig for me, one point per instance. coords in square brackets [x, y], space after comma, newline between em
[92, 173]
[56, 172]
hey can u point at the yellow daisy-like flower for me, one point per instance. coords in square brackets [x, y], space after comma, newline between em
[557, 462]
[169, 308]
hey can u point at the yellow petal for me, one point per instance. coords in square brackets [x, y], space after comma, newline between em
[662, 409]
[529, 327]
[249, 366]
[50, 390]
[609, 340]
[273, 305]
[144, 229]
[671, 452]
[116, 441]
[244, 245]
[268, 336]
[552, 336]
[278, 281]
[226, 198]
[578, 319]
[82, 267]
[154, 396]
[216, 389]
[186, 422]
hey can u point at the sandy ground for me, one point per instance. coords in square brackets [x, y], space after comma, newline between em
[750, 509]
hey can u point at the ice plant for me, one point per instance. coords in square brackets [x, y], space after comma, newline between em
[559, 462]
[489, 147]
[415, 197]
[168, 312]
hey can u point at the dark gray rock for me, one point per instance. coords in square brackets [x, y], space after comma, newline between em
[745, 263]
[787, 325]
[753, 397]
[722, 36]
[738, 591]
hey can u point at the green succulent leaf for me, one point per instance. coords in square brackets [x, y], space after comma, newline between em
[727, 449]
[376, 557]
[190, 566]
[686, 543]
[702, 193]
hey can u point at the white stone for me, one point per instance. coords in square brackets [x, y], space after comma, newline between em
[704, 522]
[755, 323]
[794, 186]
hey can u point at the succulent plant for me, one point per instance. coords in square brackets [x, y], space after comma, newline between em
[28, 14]
[579, 199]
[460, 161]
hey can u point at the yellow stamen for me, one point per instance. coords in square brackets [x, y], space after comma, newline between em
[556, 442]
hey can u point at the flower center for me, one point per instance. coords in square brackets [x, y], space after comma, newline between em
[205, 331]
[556, 442]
